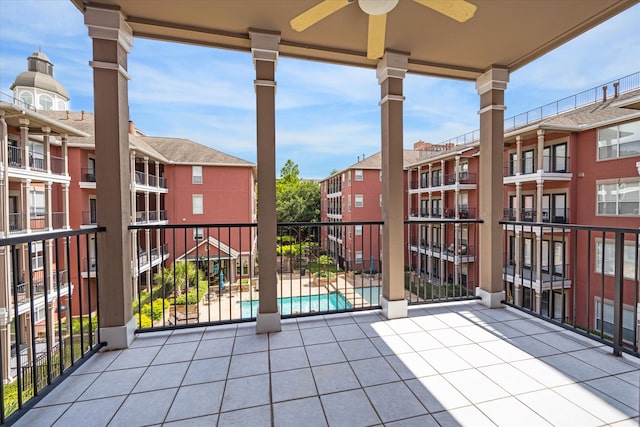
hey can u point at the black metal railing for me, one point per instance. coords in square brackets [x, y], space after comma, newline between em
[57, 220]
[37, 161]
[434, 272]
[211, 276]
[57, 165]
[583, 278]
[89, 217]
[51, 312]
[88, 175]
[16, 156]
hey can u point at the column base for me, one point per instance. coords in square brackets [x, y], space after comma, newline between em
[268, 322]
[489, 299]
[394, 309]
[118, 337]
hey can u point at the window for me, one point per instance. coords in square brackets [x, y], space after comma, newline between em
[359, 200]
[349, 178]
[608, 258]
[380, 176]
[46, 102]
[198, 208]
[358, 230]
[528, 164]
[604, 320]
[27, 98]
[36, 200]
[381, 200]
[198, 233]
[619, 198]
[359, 175]
[527, 259]
[358, 257]
[435, 178]
[196, 174]
[513, 159]
[349, 203]
[61, 105]
[464, 171]
[619, 141]
[37, 258]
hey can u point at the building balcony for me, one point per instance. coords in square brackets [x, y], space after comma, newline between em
[88, 175]
[555, 168]
[89, 218]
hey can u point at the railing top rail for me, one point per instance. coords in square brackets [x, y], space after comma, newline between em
[579, 100]
[447, 220]
[50, 235]
[600, 228]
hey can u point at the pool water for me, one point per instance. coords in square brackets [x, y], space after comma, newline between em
[301, 304]
[370, 293]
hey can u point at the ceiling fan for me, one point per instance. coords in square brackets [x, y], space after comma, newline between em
[460, 10]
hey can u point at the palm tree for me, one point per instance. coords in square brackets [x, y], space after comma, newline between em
[180, 276]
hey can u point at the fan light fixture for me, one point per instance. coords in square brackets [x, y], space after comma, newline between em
[458, 10]
[377, 7]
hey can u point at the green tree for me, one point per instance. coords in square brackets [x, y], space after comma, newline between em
[179, 277]
[296, 200]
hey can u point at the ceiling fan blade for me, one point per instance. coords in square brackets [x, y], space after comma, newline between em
[460, 10]
[317, 13]
[377, 29]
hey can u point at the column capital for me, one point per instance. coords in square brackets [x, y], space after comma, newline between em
[46, 129]
[392, 65]
[108, 24]
[492, 79]
[540, 132]
[264, 46]
[23, 122]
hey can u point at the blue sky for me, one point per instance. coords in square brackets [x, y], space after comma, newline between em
[327, 115]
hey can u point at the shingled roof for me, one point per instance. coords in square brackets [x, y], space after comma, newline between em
[169, 150]
[185, 151]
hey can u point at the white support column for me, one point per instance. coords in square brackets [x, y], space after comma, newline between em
[540, 150]
[146, 170]
[24, 140]
[391, 71]
[5, 280]
[65, 202]
[491, 86]
[48, 206]
[46, 135]
[65, 187]
[264, 50]
[112, 40]
[518, 164]
[25, 185]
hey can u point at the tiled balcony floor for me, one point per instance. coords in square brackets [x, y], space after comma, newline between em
[449, 364]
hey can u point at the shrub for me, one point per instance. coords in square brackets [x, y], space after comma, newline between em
[143, 321]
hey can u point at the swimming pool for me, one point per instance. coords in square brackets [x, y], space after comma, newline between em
[370, 293]
[301, 304]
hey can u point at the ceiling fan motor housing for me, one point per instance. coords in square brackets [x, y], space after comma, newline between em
[377, 7]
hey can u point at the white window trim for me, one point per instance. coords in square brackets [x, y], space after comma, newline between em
[610, 269]
[361, 203]
[196, 178]
[194, 197]
[359, 173]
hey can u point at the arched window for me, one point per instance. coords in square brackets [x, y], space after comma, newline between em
[46, 102]
[26, 97]
[61, 106]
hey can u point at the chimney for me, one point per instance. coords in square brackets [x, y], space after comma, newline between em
[604, 93]
[616, 87]
[132, 128]
[82, 115]
[358, 158]
[67, 114]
